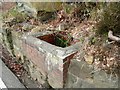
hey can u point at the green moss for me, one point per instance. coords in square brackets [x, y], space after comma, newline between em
[14, 13]
[47, 6]
[9, 39]
[45, 16]
[68, 8]
[82, 39]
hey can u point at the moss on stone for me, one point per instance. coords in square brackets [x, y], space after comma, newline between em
[9, 39]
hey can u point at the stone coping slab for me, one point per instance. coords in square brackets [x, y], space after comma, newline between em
[58, 51]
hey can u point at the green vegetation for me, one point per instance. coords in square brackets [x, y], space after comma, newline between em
[110, 19]
[10, 41]
[63, 39]
[14, 13]
[47, 6]
[61, 42]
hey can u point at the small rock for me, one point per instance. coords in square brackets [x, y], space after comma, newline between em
[27, 27]
[89, 59]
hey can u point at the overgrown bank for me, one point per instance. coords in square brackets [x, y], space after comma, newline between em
[98, 54]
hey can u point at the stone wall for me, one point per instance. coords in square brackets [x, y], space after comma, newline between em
[54, 66]
[82, 75]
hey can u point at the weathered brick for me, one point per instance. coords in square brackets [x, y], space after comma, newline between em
[35, 56]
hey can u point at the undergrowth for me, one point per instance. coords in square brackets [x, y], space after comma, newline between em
[110, 19]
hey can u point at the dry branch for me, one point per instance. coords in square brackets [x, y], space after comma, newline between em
[112, 37]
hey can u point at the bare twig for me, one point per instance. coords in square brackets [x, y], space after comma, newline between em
[112, 37]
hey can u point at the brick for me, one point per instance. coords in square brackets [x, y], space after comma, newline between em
[35, 56]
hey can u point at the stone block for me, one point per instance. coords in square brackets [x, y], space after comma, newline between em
[55, 78]
[102, 79]
[80, 69]
[71, 80]
[36, 75]
[87, 77]
[76, 82]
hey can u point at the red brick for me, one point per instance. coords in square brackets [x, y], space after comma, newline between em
[48, 38]
[35, 56]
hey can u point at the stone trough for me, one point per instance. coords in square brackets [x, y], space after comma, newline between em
[49, 64]
[52, 60]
